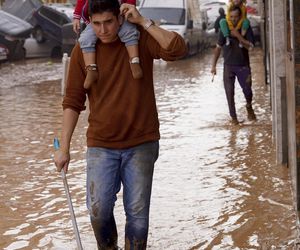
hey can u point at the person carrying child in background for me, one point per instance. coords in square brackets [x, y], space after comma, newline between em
[128, 34]
[226, 25]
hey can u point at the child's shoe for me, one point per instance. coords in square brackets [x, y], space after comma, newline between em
[91, 75]
[135, 67]
[227, 41]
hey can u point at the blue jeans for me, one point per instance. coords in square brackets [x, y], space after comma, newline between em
[128, 34]
[106, 170]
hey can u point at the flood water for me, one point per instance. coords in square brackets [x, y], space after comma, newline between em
[216, 186]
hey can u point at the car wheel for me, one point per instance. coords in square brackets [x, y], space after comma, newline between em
[38, 34]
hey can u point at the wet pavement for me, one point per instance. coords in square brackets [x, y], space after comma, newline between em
[216, 186]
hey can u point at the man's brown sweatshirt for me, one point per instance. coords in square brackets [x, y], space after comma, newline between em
[122, 110]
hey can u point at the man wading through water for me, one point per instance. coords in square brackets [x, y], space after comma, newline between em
[123, 131]
[236, 64]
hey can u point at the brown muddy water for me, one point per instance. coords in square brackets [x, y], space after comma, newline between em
[216, 186]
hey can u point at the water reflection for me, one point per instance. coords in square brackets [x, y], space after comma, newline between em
[215, 186]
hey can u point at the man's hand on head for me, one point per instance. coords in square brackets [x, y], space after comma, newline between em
[131, 14]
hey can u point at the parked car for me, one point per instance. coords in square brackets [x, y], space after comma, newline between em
[180, 16]
[48, 22]
[65, 8]
[22, 9]
[13, 32]
[69, 37]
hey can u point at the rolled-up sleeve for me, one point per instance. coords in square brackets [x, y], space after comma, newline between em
[75, 94]
[176, 49]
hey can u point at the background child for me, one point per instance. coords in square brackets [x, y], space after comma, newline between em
[128, 34]
[244, 23]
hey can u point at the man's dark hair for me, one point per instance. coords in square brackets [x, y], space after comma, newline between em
[235, 8]
[100, 6]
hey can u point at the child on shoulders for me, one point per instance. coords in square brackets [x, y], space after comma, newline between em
[226, 25]
[128, 34]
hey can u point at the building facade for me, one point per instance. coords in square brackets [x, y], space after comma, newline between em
[282, 19]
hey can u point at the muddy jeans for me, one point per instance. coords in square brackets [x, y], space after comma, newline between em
[106, 170]
[243, 74]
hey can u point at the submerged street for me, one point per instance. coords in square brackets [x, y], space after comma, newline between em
[216, 185]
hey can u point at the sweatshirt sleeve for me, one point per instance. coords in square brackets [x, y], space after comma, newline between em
[78, 9]
[176, 50]
[133, 2]
[75, 94]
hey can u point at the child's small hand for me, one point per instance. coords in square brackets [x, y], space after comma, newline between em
[76, 25]
[130, 13]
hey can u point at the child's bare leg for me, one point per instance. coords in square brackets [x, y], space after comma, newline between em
[91, 69]
[133, 52]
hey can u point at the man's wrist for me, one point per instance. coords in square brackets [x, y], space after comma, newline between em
[65, 150]
[65, 147]
[147, 23]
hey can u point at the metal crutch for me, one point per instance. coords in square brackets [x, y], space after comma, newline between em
[73, 218]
